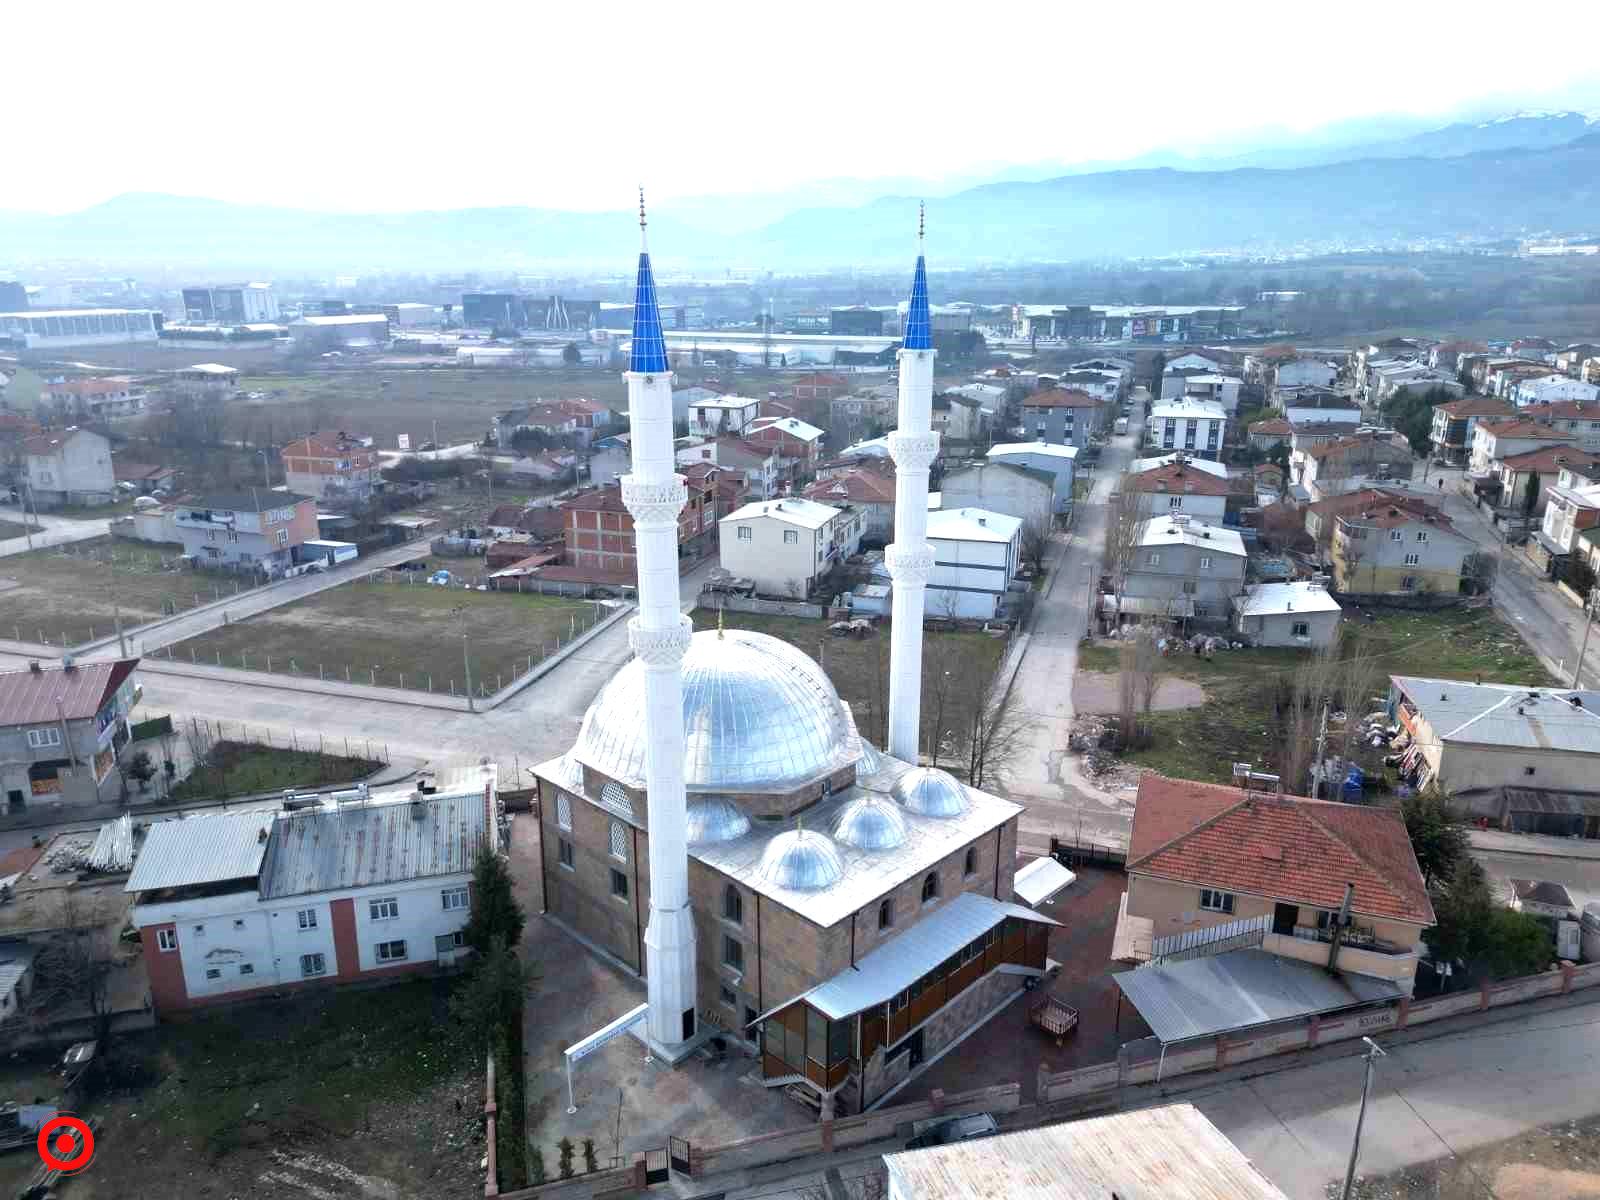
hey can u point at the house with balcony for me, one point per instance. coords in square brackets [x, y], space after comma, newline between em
[600, 544]
[1264, 435]
[1450, 436]
[99, 398]
[1552, 389]
[1321, 516]
[62, 730]
[759, 464]
[260, 529]
[1572, 507]
[1393, 550]
[1062, 416]
[715, 416]
[1540, 469]
[1493, 440]
[1317, 885]
[1178, 487]
[1579, 420]
[1198, 427]
[798, 444]
[1345, 464]
[1182, 570]
[332, 468]
[68, 466]
[869, 489]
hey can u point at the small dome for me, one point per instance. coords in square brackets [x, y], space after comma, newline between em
[931, 792]
[805, 862]
[870, 823]
[715, 820]
[870, 762]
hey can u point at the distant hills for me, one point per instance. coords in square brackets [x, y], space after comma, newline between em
[1503, 178]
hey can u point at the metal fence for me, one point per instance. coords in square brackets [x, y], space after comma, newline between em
[1216, 939]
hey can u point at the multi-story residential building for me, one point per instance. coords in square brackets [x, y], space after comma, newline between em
[717, 416]
[1467, 736]
[1450, 437]
[1572, 507]
[599, 537]
[1551, 389]
[1570, 360]
[1183, 569]
[1104, 386]
[851, 416]
[761, 466]
[1203, 856]
[1060, 462]
[1497, 439]
[548, 418]
[1025, 493]
[1198, 427]
[1398, 379]
[1546, 465]
[1348, 463]
[976, 554]
[260, 528]
[798, 443]
[62, 730]
[591, 419]
[1274, 431]
[1579, 420]
[356, 887]
[1321, 516]
[869, 489]
[813, 395]
[1305, 406]
[1391, 550]
[1062, 417]
[96, 398]
[786, 545]
[231, 304]
[332, 467]
[1177, 487]
[1446, 356]
[1304, 372]
[72, 466]
[1214, 389]
[957, 418]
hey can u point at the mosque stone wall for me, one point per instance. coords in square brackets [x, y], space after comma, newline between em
[580, 895]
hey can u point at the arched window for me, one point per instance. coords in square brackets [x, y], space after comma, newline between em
[972, 861]
[930, 886]
[886, 914]
[619, 842]
[733, 905]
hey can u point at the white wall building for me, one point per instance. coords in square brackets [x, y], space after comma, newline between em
[1219, 389]
[354, 887]
[1305, 372]
[72, 466]
[784, 545]
[1197, 427]
[976, 554]
[717, 415]
[1287, 614]
[1017, 491]
[1059, 461]
[54, 329]
[1549, 389]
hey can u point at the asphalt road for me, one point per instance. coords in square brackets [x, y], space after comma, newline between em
[54, 531]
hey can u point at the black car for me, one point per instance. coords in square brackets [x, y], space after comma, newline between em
[956, 1129]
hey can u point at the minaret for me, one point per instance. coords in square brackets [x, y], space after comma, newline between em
[654, 493]
[913, 446]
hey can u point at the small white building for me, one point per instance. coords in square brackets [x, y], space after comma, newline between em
[72, 466]
[1305, 372]
[1218, 389]
[1017, 491]
[1059, 461]
[1195, 426]
[785, 545]
[976, 554]
[351, 888]
[1287, 614]
[715, 416]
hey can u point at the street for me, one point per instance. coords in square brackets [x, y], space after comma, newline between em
[54, 531]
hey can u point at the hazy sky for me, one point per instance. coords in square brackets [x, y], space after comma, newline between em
[399, 106]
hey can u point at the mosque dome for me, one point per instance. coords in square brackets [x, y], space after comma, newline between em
[802, 861]
[870, 762]
[715, 819]
[870, 823]
[758, 715]
[931, 792]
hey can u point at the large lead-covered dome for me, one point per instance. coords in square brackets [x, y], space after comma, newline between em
[758, 715]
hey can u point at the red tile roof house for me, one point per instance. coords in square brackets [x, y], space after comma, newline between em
[600, 539]
[61, 732]
[1066, 417]
[868, 489]
[1204, 855]
[1547, 462]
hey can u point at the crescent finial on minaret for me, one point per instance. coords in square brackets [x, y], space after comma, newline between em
[641, 216]
[922, 220]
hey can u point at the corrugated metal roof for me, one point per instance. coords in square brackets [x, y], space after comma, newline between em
[1498, 714]
[1243, 988]
[892, 968]
[377, 842]
[15, 960]
[1037, 881]
[204, 848]
[1171, 1151]
[29, 697]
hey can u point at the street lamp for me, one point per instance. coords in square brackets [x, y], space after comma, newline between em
[1374, 1053]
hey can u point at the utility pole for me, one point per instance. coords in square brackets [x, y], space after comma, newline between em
[1374, 1053]
[266, 469]
[27, 526]
[116, 615]
[466, 661]
[1322, 742]
[1587, 625]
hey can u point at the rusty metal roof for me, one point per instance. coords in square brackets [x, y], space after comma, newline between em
[201, 849]
[28, 697]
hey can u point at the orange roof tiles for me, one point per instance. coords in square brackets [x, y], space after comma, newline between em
[1282, 847]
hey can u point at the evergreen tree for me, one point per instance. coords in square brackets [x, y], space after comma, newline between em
[496, 915]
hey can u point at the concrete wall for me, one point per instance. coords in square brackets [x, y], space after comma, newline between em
[1277, 629]
[997, 488]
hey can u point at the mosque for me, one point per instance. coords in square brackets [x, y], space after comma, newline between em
[721, 828]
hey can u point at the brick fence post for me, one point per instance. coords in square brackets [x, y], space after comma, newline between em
[1312, 1030]
[1221, 1052]
[1568, 970]
[936, 1099]
[1403, 1012]
[827, 1136]
[1483, 996]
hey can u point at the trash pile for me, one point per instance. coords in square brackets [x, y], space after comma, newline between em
[1200, 644]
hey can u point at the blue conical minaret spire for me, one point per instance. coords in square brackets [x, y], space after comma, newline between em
[649, 356]
[919, 324]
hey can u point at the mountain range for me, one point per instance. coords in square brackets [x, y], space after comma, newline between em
[1501, 178]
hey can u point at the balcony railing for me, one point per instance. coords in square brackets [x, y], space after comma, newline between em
[1355, 939]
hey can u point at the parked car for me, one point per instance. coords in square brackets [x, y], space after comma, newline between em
[955, 1129]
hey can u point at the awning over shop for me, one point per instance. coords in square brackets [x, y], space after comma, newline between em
[1241, 989]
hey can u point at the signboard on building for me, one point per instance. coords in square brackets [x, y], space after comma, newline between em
[404, 441]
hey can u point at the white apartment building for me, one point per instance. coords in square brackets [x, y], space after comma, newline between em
[976, 554]
[786, 545]
[1218, 389]
[351, 887]
[717, 415]
[1550, 389]
[1197, 427]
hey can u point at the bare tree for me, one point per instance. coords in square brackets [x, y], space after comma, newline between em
[72, 973]
[1315, 682]
[1035, 541]
[1124, 521]
[997, 737]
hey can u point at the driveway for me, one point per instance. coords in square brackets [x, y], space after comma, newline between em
[54, 531]
[1046, 777]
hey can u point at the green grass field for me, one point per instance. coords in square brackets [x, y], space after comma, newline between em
[1238, 721]
[244, 768]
